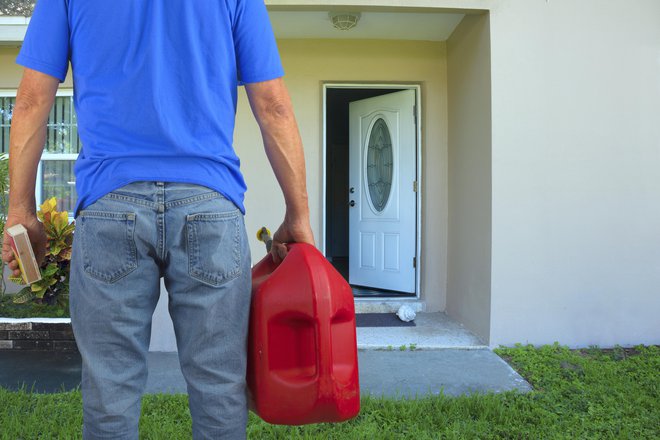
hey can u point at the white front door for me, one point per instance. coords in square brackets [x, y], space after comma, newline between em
[382, 173]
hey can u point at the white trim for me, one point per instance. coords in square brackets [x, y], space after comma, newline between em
[418, 164]
[13, 29]
[13, 20]
[12, 92]
[38, 184]
[48, 320]
[418, 254]
[323, 166]
[58, 156]
[64, 92]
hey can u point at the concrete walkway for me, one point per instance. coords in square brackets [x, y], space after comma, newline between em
[446, 358]
[399, 374]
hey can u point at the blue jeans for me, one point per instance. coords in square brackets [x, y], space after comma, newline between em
[124, 243]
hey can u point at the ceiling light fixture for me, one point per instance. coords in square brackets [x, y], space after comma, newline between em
[344, 20]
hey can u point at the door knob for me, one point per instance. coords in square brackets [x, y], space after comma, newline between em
[352, 190]
[351, 203]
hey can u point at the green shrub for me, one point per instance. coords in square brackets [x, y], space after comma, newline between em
[53, 288]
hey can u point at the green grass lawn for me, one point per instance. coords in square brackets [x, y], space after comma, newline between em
[579, 394]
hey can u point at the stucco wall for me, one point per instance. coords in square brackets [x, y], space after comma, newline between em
[308, 63]
[576, 154]
[10, 73]
[468, 260]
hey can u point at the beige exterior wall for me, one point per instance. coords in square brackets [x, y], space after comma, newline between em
[469, 251]
[10, 72]
[576, 154]
[308, 63]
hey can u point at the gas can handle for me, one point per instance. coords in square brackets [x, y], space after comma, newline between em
[263, 234]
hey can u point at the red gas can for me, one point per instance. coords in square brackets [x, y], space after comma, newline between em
[302, 351]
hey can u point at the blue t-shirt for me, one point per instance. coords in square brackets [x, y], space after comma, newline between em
[155, 85]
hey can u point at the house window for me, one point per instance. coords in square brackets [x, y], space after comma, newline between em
[55, 174]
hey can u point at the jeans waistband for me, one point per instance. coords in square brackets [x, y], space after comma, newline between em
[167, 194]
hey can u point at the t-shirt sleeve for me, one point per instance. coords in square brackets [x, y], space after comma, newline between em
[257, 57]
[46, 44]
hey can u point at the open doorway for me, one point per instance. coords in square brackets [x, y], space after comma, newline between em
[366, 180]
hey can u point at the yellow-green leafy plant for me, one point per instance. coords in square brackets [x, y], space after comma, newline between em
[53, 288]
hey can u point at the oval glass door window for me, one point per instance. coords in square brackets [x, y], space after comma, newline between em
[379, 164]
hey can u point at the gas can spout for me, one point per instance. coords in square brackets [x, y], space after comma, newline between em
[263, 235]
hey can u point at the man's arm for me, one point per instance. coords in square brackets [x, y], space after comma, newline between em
[34, 101]
[271, 105]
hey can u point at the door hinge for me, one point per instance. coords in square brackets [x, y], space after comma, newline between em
[414, 186]
[415, 114]
[415, 262]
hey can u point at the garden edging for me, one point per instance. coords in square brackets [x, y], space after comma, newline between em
[43, 334]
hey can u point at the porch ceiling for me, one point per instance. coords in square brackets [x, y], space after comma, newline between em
[377, 25]
[372, 25]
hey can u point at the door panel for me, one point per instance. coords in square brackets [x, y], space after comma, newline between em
[367, 250]
[382, 221]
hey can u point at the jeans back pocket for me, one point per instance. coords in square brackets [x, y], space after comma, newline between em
[108, 244]
[214, 246]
